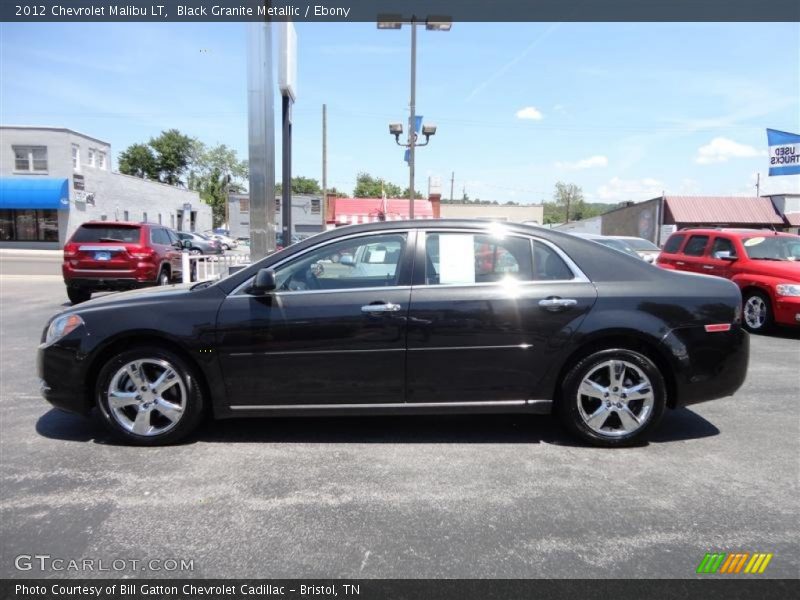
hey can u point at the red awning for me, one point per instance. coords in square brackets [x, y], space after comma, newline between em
[348, 211]
[793, 218]
[722, 210]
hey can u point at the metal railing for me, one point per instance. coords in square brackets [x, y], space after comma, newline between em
[201, 267]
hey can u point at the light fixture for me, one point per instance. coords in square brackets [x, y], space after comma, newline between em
[396, 129]
[390, 21]
[438, 23]
[428, 130]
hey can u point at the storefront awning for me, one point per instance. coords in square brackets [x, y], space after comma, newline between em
[349, 211]
[34, 192]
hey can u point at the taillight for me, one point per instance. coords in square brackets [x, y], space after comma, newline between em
[70, 250]
[717, 327]
[141, 252]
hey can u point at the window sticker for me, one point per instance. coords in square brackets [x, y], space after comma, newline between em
[377, 256]
[456, 258]
[753, 241]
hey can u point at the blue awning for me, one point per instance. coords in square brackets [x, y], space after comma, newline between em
[34, 192]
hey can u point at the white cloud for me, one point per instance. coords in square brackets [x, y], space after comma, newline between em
[618, 189]
[585, 163]
[720, 149]
[529, 112]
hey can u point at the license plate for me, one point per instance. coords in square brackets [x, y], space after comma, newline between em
[102, 255]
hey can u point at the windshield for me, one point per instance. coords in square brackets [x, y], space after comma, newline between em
[617, 245]
[782, 247]
[641, 244]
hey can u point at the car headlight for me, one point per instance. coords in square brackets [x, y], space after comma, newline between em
[788, 289]
[61, 326]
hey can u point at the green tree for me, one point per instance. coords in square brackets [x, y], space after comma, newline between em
[138, 160]
[301, 185]
[569, 199]
[216, 172]
[174, 152]
[417, 194]
[368, 186]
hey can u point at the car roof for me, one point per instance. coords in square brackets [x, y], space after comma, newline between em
[740, 232]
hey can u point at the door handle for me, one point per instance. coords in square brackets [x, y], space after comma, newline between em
[384, 307]
[709, 267]
[679, 262]
[556, 304]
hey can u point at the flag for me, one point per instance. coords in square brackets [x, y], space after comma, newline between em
[784, 152]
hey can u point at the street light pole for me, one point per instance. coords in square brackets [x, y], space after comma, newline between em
[412, 119]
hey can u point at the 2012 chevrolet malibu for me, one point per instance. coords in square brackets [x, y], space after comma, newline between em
[406, 318]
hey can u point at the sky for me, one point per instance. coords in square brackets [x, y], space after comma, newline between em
[625, 111]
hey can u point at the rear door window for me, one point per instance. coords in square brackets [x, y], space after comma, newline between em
[107, 233]
[696, 245]
[673, 244]
[466, 258]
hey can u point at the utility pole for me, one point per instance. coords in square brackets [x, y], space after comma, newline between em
[286, 199]
[452, 181]
[758, 184]
[324, 166]
[412, 118]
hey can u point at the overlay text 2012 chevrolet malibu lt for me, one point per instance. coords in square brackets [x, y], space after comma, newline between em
[406, 318]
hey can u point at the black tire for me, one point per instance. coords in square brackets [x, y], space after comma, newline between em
[193, 406]
[76, 296]
[163, 277]
[569, 412]
[764, 320]
[226, 247]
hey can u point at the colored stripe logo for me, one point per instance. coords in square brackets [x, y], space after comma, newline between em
[734, 563]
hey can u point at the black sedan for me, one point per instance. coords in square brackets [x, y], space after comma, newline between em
[421, 317]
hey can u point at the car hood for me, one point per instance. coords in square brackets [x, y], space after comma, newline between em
[147, 294]
[789, 270]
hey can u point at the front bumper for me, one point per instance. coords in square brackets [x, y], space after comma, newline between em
[61, 376]
[786, 310]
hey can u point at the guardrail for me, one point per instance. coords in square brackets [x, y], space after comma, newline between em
[202, 267]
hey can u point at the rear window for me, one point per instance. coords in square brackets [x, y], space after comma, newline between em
[106, 233]
[640, 244]
[696, 245]
[673, 243]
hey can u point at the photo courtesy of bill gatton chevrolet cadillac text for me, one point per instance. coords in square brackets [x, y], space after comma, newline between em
[406, 317]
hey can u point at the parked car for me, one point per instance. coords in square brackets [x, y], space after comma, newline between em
[610, 242]
[225, 241]
[565, 325]
[646, 249]
[764, 264]
[197, 243]
[105, 255]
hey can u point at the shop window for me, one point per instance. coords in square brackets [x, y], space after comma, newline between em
[30, 158]
[29, 225]
[101, 160]
[92, 155]
[315, 206]
[6, 225]
[244, 205]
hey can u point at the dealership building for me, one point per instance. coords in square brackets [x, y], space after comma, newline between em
[52, 179]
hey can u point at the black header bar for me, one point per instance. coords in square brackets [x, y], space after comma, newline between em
[368, 10]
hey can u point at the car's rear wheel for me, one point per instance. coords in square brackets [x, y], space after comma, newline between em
[163, 277]
[757, 311]
[76, 295]
[612, 398]
[149, 396]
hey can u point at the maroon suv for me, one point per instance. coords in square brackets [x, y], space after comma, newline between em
[104, 255]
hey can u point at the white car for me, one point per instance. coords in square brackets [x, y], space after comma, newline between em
[227, 243]
[644, 248]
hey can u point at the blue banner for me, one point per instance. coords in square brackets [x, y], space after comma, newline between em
[784, 152]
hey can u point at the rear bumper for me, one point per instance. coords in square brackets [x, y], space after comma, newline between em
[707, 366]
[102, 284]
[786, 310]
[143, 274]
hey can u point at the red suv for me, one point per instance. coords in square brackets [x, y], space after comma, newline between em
[103, 255]
[764, 264]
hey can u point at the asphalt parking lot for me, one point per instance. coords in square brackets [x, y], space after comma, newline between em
[504, 496]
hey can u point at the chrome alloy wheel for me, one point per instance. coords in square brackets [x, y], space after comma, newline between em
[147, 397]
[615, 398]
[755, 312]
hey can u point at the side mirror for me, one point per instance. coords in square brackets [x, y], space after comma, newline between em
[177, 244]
[724, 255]
[264, 282]
[347, 259]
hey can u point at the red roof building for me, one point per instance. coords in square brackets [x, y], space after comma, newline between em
[349, 211]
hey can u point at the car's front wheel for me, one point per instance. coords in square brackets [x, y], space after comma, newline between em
[757, 311]
[149, 396]
[612, 398]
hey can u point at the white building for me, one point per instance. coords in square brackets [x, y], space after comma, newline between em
[53, 179]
